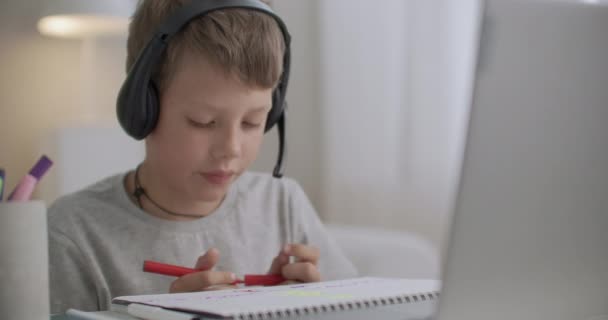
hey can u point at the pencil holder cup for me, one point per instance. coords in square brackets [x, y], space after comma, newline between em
[24, 261]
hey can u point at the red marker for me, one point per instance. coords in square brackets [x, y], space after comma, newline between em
[177, 271]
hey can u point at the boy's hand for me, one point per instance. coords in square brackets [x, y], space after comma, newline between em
[304, 269]
[205, 279]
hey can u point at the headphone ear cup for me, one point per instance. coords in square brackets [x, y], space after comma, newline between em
[141, 119]
[278, 106]
[137, 105]
[278, 95]
[151, 110]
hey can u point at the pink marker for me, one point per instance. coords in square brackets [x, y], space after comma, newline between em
[23, 191]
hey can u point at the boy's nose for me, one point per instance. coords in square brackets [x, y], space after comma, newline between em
[227, 145]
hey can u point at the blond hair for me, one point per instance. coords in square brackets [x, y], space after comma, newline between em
[243, 43]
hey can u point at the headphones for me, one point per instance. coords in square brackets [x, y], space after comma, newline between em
[137, 106]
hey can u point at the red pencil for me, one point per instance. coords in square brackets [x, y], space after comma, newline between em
[177, 271]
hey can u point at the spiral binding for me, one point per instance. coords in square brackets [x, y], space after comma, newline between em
[340, 306]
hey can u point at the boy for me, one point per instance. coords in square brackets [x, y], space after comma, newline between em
[192, 194]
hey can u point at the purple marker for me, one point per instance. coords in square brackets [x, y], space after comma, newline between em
[2, 182]
[24, 189]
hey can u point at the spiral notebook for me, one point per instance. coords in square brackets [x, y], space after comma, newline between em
[293, 300]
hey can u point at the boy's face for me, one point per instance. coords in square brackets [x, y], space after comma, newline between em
[209, 131]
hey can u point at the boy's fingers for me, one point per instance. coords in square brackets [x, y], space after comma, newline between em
[208, 260]
[199, 281]
[301, 271]
[303, 253]
[277, 263]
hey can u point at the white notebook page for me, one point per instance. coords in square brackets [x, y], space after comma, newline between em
[262, 300]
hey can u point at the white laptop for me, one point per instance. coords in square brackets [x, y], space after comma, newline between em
[529, 238]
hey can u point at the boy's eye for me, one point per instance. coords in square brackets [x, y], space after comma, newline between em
[251, 125]
[197, 124]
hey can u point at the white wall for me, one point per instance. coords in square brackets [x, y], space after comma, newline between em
[395, 86]
[443, 50]
[364, 79]
[40, 87]
[460, 36]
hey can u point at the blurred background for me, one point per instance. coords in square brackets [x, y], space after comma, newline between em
[378, 103]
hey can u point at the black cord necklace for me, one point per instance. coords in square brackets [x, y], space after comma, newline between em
[140, 191]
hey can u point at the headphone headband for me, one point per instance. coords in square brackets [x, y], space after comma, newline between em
[196, 8]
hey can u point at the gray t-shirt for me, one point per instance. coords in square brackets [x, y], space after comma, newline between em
[99, 239]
